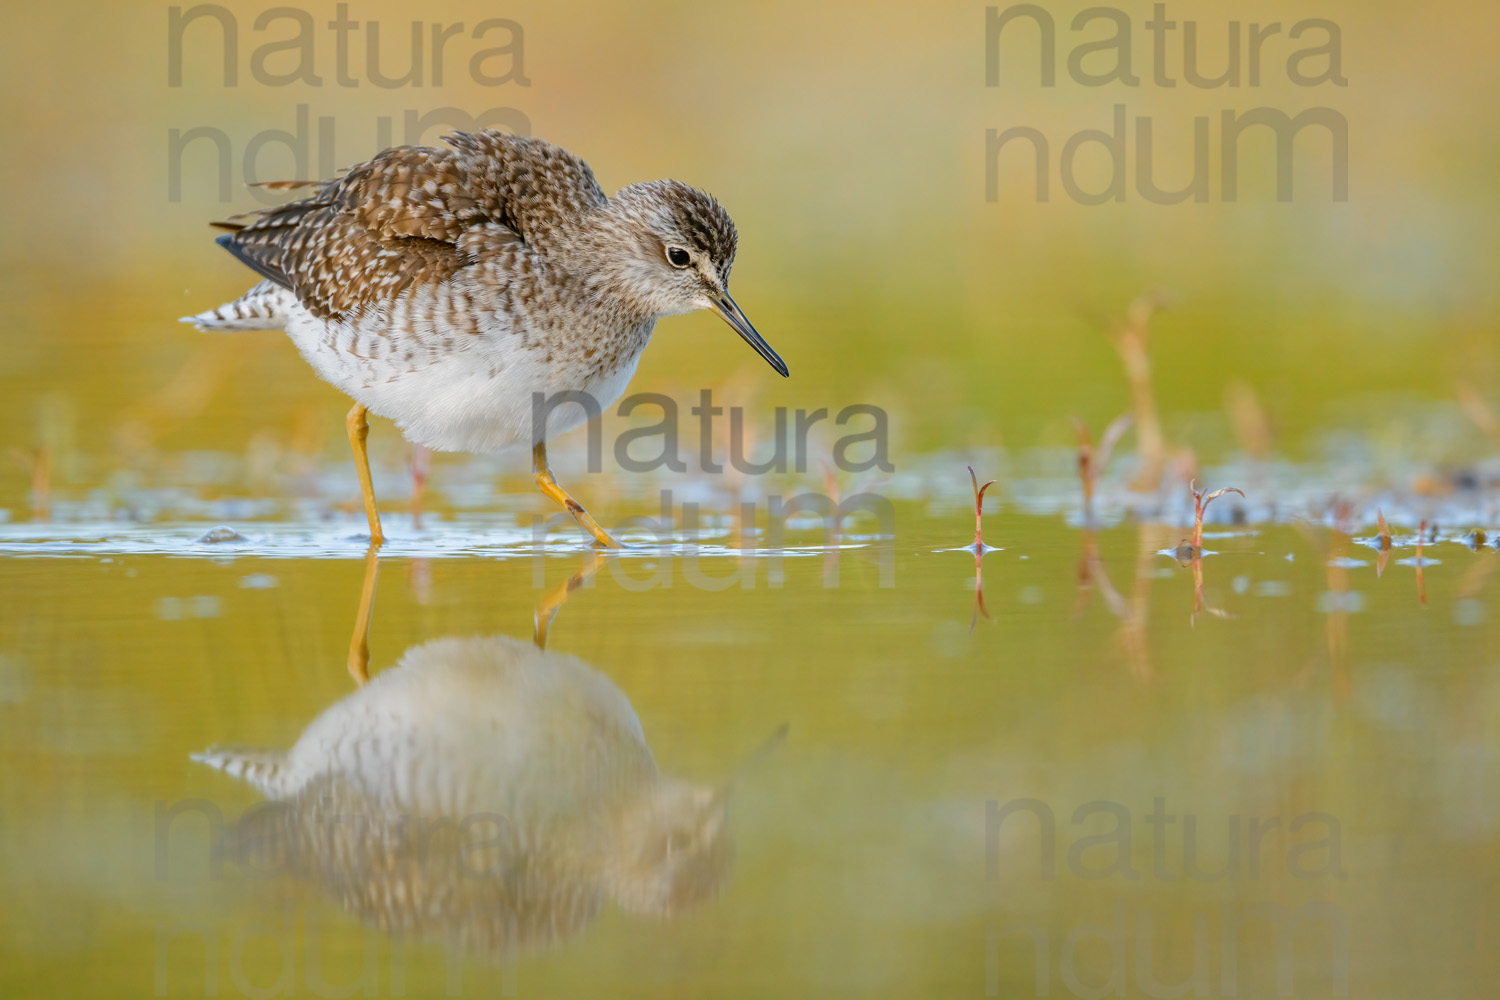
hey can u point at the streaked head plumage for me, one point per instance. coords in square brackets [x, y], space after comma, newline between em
[680, 245]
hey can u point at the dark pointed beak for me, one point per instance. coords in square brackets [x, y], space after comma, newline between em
[726, 308]
[751, 762]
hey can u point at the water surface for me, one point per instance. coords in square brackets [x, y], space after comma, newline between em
[1119, 765]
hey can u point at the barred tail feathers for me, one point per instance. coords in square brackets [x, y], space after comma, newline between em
[264, 307]
[268, 771]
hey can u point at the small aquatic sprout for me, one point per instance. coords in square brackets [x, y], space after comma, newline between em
[1191, 553]
[1092, 461]
[1200, 603]
[979, 546]
[1130, 340]
[1341, 510]
[1385, 544]
[1201, 500]
[1087, 472]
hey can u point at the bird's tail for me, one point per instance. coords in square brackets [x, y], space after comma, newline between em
[268, 771]
[267, 306]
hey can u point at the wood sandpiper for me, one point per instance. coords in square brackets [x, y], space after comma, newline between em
[485, 793]
[445, 288]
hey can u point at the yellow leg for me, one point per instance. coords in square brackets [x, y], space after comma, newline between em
[359, 641]
[359, 430]
[548, 485]
[554, 599]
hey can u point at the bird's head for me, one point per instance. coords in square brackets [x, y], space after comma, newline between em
[679, 245]
[673, 849]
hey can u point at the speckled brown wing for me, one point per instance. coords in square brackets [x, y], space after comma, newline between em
[413, 215]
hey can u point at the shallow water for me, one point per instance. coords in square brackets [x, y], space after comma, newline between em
[924, 793]
[1319, 735]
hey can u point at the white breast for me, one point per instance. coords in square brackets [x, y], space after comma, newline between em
[466, 725]
[463, 392]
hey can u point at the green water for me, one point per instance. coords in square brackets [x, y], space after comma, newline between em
[1320, 736]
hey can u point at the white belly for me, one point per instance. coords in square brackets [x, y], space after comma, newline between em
[480, 398]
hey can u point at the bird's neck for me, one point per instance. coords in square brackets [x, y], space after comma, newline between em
[607, 250]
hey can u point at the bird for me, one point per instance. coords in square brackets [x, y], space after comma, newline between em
[482, 792]
[449, 289]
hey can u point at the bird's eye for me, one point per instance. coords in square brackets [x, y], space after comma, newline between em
[678, 257]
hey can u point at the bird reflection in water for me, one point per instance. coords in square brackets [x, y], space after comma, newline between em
[484, 793]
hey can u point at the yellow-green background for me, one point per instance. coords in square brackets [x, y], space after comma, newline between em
[847, 139]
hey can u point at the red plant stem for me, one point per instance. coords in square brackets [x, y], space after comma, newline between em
[1086, 475]
[979, 508]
